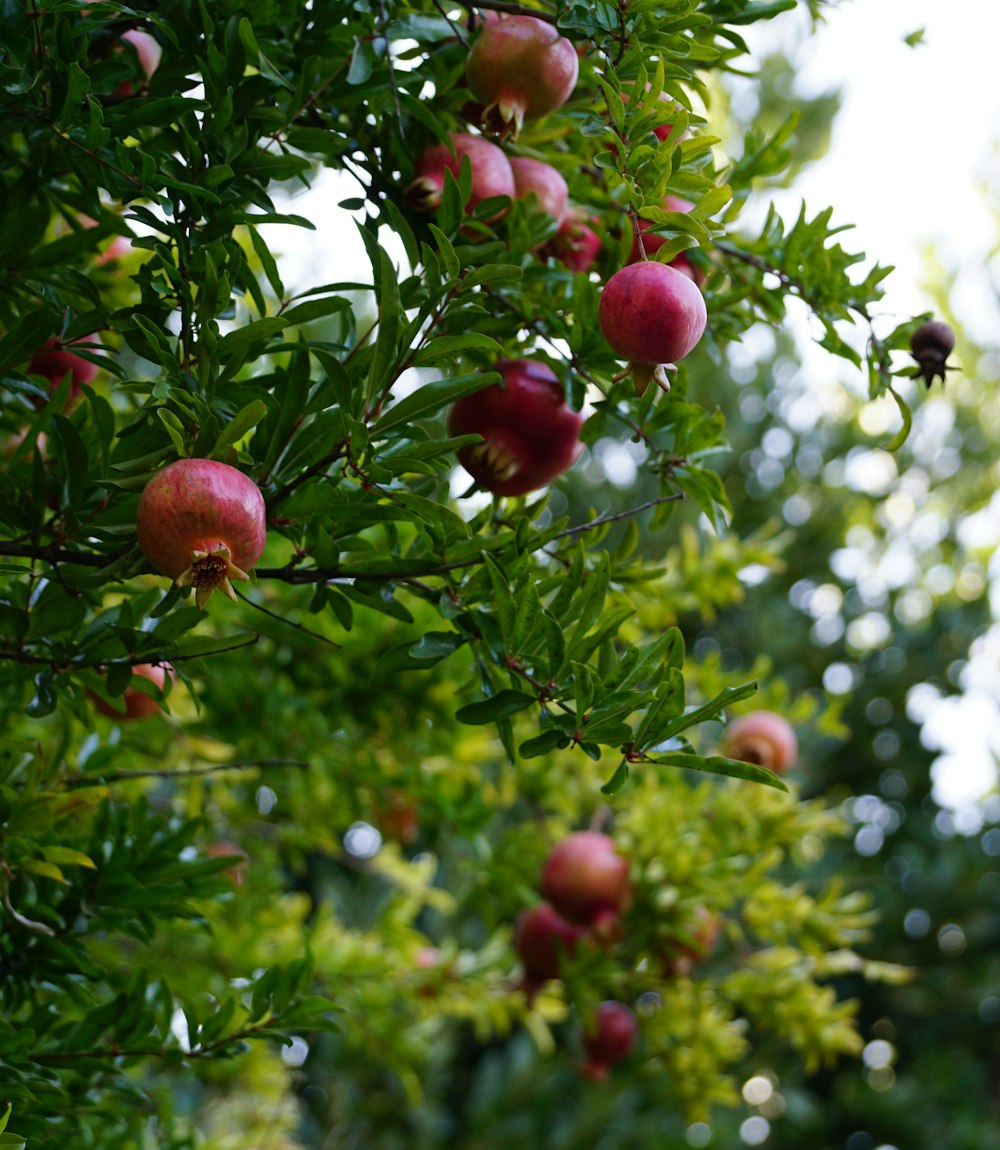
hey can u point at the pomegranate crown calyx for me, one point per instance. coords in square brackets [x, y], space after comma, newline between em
[210, 571]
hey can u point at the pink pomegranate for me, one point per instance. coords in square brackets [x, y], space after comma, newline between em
[609, 1039]
[136, 704]
[575, 243]
[586, 881]
[491, 172]
[203, 524]
[148, 52]
[226, 848]
[520, 68]
[530, 434]
[535, 177]
[543, 940]
[761, 737]
[652, 315]
[55, 362]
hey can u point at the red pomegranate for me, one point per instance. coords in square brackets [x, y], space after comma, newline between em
[652, 315]
[202, 523]
[761, 737]
[535, 177]
[520, 68]
[575, 243]
[530, 434]
[609, 1039]
[54, 362]
[543, 939]
[585, 880]
[137, 704]
[149, 53]
[491, 172]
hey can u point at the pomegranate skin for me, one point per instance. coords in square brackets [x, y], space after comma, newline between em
[761, 737]
[203, 523]
[610, 1039]
[550, 189]
[138, 705]
[585, 880]
[520, 68]
[491, 172]
[530, 434]
[54, 362]
[652, 315]
[575, 243]
[149, 52]
[543, 939]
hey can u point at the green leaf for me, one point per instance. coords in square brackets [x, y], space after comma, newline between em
[433, 397]
[718, 765]
[499, 706]
[244, 421]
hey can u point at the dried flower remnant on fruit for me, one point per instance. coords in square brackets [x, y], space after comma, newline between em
[520, 68]
[203, 523]
[930, 345]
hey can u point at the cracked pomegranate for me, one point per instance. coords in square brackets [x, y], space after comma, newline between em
[652, 315]
[520, 68]
[202, 523]
[530, 434]
[586, 881]
[761, 737]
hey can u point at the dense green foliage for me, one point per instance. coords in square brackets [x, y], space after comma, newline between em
[297, 930]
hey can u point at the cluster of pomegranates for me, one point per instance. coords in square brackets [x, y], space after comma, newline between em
[585, 883]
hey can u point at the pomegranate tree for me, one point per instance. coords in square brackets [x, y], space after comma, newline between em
[535, 177]
[491, 172]
[761, 737]
[543, 940]
[609, 1038]
[652, 315]
[202, 523]
[585, 880]
[530, 434]
[134, 703]
[520, 68]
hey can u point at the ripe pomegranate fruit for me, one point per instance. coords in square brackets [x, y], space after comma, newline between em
[149, 54]
[137, 704]
[651, 315]
[203, 524]
[761, 737]
[520, 68]
[609, 1039]
[543, 939]
[54, 362]
[575, 243]
[491, 172]
[544, 182]
[930, 345]
[530, 434]
[586, 881]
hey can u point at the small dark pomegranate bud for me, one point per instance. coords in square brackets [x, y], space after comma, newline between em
[651, 315]
[202, 523]
[491, 172]
[136, 704]
[761, 737]
[544, 182]
[520, 68]
[931, 344]
[55, 362]
[585, 880]
[575, 243]
[543, 940]
[530, 434]
[609, 1039]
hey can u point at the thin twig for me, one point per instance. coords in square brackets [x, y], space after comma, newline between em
[78, 782]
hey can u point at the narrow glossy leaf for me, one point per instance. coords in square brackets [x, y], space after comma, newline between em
[499, 706]
[717, 765]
